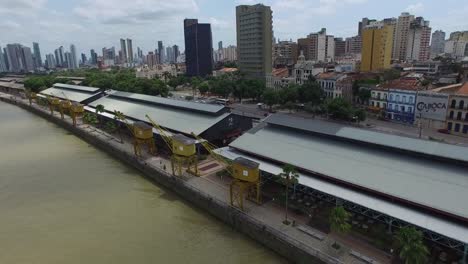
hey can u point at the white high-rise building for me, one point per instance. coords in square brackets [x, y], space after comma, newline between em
[437, 43]
[73, 63]
[123, 51]
[400, 44]
[418, 40]
[50, 61]
[457, 45]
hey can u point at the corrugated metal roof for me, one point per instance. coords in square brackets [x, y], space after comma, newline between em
[77, 87]
[68, 94]
[425, 182]
[427, 221]
[171, 118]
[426, 147]
[184, 105]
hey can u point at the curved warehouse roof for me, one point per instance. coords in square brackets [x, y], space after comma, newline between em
[68, 94]
[181, 116]
[428, 183]
[423, 220]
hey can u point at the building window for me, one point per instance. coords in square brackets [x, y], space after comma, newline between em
[390, 106]
[378, 96]
[395, 108]
[385, 106]
[411, 99]
[449, 126]
[457, 127]
[391, 97]
[454, 103]
[402, 108]
[398, 98]
[465, 129]
[410, 109]
[372, 103]
[378, 104]
[404, 99]
[461, 104]
[459, 116]
[466, 117]
[385, 96]
[451, 115]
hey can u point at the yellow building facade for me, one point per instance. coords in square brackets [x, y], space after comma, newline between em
[377, 45]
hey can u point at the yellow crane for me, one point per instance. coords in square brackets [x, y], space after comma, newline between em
[31, 96]
[245, 173]
[76, 110]
[65, 106]
[142, 134]
[54, 103]
[183, 150]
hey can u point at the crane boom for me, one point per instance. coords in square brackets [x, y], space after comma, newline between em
[120, 116]
[164, 134]
[210, 148]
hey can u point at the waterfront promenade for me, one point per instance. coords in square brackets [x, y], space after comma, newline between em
[269, 214]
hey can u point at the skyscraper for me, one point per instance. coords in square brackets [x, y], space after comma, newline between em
[176, 51]
[68, 60]
[93, 57]
[437, 43]
[50, 61]
[364, 23]
[340, 47]
[198, 48]
[83, 59]
[318, 47]
[13, 54]
[73, 64]
[161, 52]
[419, 36]
[130, 51]
[220, 45]
[353, 45]
[169, 55]
[37, 55]
[123, 51]
[254, 40]
[377, 46]
[3, 67]
[401, 36]
[62, 58]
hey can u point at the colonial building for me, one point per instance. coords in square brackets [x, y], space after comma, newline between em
[401, 98]
[378, 100]
[336, 85]
[457, 114]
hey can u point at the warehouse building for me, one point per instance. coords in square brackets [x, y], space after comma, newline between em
[214, 123]
[74, 93]
[395, 180]
[10, 86]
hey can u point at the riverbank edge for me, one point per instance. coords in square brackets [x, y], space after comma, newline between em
[253, 228]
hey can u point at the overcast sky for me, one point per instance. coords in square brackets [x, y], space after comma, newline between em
[101, 23]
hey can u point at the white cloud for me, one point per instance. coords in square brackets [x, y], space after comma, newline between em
[20, 7]
[8, 24]
[133, 12]
[415, 8]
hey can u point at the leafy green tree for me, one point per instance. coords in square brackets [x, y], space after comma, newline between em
[356, 88]
[203, 88]
[360, 115]
[166, 76]
[195, 82]
[310, 92]
[289, 94]
[100, 109]
[339, 108]
[270, 98]
[339, 218]
[411, 246]
[287, 177]
[364, 96]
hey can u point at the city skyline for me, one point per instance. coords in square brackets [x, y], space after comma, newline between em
[97, 24]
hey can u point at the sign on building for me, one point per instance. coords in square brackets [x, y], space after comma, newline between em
[431, 106]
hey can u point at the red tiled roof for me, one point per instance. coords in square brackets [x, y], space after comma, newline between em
[464, 89]
[403, 84]
[280, 72]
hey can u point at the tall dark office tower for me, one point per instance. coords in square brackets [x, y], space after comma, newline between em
[198, 48]
[83, 58]
[93, 57]
[123, 50]
[220, 45]
[37, 55]
[130, 51]
[176, 51]
[161, 52]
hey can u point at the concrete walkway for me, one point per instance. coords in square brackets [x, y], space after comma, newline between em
[269, 213]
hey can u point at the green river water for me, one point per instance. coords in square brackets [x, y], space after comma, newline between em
[63, 201]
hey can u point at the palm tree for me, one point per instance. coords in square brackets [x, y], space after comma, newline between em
[288, 176]
[119, 117]
[339, 221]
[411, 246]
[100, 109]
